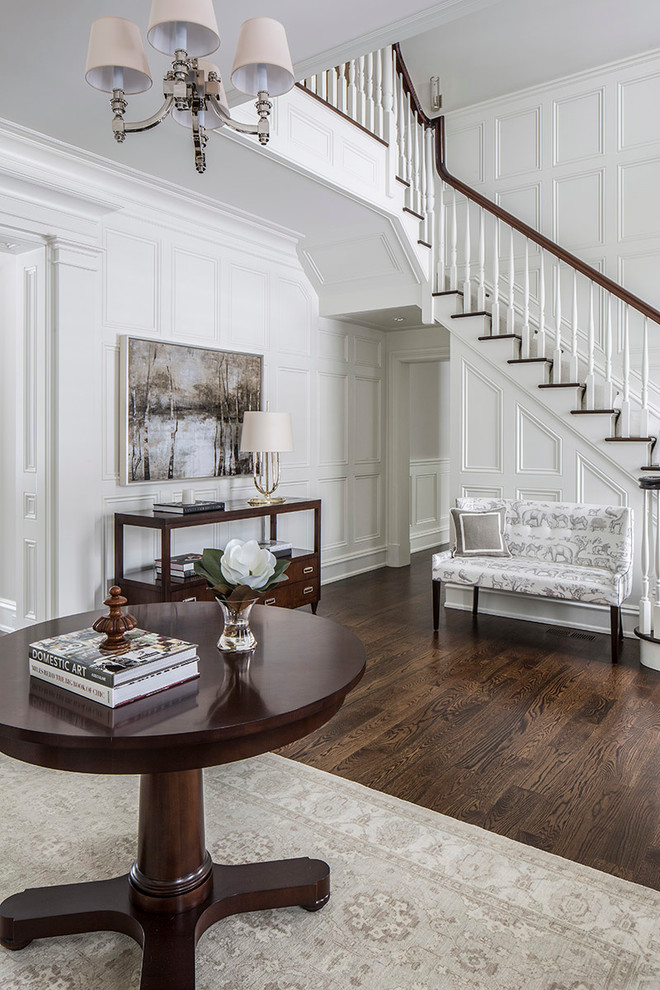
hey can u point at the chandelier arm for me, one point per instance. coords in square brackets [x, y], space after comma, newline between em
[156, 118]
[237, 125]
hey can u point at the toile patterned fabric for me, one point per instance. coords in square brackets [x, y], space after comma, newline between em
[419, 901]
[564, 550]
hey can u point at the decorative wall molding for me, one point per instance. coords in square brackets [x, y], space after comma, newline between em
[540, 494]
[30, 371]
[538, 448]
[591, 480]
[582, 123]
[482, 449]
[518, 142]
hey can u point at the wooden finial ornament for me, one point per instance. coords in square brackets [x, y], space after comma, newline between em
[115, 624]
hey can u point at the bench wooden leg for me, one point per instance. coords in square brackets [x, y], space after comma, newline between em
[475, 600]
[436, 604]
[615, 630]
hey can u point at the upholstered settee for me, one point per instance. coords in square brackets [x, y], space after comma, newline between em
[561, 550]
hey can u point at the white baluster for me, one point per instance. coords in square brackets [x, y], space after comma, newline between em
[441, 239]
[467, 289]
[609, 384]
[333, 88]
[430, 189]
[414, 158]
[573, 370]
[655, 611]
[453, 246]
[388, 131]
[495, 308]
[557, 353]
[401, 129]
[644, 416]
[526, 350]
[645, 601]
[352, 101]
[378, 91]
[481, 291]
[362, 98]
[540, 337]
[323, 85]
[314, 84]
[624, 418]
[369, 92]
[511, 310]
[424, 179]
[590, 378]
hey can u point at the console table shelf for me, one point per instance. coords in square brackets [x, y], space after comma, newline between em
[143, 586]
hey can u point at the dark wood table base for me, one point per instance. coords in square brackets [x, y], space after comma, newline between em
[173, 892]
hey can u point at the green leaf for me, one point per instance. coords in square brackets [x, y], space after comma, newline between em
[209, 566]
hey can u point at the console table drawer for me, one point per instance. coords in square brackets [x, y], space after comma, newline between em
[303, 569]
[288, 595]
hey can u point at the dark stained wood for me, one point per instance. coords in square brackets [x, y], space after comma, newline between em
[144, 586]
[501, 336]
[516, 727]
[296, 679]
[315, 96]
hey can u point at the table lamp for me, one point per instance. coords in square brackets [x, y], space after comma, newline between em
[266, 435]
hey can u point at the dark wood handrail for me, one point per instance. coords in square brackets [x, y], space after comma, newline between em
[438, 126]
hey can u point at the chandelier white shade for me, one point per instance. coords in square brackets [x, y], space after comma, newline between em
[189, 25]
[266, 431]
[262, 60]
[116, 58]
[187, 30]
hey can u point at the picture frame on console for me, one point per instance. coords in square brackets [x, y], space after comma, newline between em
[181, 410]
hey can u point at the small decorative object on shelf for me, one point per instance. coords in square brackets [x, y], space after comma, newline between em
[238, 576]
[115, 624]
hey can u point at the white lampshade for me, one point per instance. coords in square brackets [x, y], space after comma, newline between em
[262, 60]
[210, 119]
[116, 58]
[266, 431]
[187, 24]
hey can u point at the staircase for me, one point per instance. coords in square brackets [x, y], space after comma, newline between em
[549, 322]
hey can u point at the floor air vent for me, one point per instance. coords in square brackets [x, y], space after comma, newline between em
[571, 633]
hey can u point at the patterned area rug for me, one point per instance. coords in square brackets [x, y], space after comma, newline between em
[419, 902]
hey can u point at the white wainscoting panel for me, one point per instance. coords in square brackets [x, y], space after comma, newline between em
[638, 127]
[110, 414]
[368, 419]
[333, 345]
[579, 217]
[294, 317]
[368, 352]
[481, 422]
[293, 396]
[595, 485]
[540, 494]
[195, 280]
[334, 493]
[482, 491]
[466, 153]
[429, 503]
[368, 508]
[578, 128]
[538, 448]
[518, 142]
[332, 422]
[248, 308]
[131, 281]
[639, 195]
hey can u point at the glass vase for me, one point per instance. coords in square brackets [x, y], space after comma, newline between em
[237, 637]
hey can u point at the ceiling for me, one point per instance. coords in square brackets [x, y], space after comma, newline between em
[480, 49]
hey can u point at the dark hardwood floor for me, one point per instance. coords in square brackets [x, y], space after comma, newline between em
[517, 727]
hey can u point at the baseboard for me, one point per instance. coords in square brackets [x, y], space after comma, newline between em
[353, 564]
[575, 615]
[7, 615]
[432, 539]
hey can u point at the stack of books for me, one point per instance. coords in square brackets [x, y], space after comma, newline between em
[278, 548]
[183, 508]
[74, 661]
[181, 566]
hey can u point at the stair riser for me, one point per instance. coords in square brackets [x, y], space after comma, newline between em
[530, 375]
[498, 351]
[561, 401]
[444, 308]
[595, 428]
[630, 456]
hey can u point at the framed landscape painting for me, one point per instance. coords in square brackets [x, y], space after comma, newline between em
[182, 410]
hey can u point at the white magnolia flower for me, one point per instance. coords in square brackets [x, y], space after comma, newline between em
[247, 563]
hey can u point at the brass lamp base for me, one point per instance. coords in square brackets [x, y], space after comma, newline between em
[266, 501]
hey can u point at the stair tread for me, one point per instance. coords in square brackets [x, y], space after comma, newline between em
[650, 467]
[501, 336]
[448, 292]
[595, 412]
[404, 182]
[562, 385]
[425, 244]
[652, 440]
[462, 316]
[414, 213]
[529, 360]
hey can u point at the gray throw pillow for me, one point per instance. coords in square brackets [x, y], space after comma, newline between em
[479, 534]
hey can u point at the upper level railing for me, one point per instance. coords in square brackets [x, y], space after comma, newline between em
[565, 310]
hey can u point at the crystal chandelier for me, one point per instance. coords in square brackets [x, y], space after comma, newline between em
[187, 30]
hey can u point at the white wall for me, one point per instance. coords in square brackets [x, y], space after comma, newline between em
[128, 259]
[429, 453]
[579, 159]
[7, 439]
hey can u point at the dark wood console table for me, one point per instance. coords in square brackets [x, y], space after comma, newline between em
[143, 586]
[295, 681]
